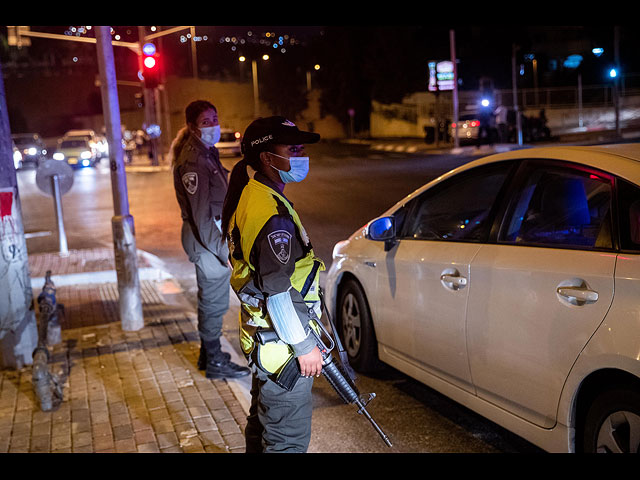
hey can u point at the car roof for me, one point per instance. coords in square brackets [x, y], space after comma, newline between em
[622, 160]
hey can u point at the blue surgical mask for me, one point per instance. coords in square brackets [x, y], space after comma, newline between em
[210, 135]
[297, 173]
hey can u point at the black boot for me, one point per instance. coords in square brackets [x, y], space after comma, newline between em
[202, 359]
[218, 363]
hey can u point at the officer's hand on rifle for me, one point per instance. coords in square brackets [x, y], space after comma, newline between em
[311, 363]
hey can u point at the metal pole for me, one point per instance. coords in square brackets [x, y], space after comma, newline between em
[515, 93]
[124, 241]
[452, 45]
[580, 119]
[194, 55]
[256, 97]
[57, 203]
[149, 100]
[616, 92]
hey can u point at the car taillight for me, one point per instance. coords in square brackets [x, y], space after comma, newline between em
[453, 125]
[475, 123]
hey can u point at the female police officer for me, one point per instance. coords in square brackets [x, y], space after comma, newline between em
[275, 274]
[200, 182]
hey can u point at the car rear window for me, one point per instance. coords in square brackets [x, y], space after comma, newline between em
[561, 207]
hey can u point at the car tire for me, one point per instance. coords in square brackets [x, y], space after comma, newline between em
[612, 424]
[355, 327]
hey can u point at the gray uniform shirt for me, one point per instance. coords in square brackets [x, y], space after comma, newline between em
[201, 183]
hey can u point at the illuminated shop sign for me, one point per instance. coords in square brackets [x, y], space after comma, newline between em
[441, 76]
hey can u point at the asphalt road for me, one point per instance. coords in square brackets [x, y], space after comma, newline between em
[346, 187]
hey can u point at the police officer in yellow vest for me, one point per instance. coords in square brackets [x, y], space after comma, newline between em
[275, 275]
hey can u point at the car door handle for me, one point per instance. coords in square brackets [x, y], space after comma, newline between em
[453, 281]
[578, 295]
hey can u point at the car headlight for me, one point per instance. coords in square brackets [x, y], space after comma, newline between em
[339, 248]
[86, 154]
[58, 156]
[32, 151]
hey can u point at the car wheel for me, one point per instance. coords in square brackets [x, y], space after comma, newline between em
[355, 327]
[612, 424]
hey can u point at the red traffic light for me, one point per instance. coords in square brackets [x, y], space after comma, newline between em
[149, 62]
[150, 71]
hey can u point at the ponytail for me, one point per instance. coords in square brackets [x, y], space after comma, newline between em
[237, 181]
[176, 146]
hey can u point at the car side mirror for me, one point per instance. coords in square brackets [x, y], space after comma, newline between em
[382, 230]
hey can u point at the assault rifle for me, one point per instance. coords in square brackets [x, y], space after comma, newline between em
[344, 383]
[340, 376]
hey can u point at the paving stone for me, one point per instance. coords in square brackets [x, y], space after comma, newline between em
[123, 392]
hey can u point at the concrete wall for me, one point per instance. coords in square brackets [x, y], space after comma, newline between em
[47, 105]
[409, 118]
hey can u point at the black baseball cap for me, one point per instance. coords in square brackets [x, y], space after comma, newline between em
[274, 130]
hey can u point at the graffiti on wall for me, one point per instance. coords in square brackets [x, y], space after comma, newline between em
[15, 290]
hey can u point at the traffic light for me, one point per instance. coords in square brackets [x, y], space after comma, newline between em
[150, 66]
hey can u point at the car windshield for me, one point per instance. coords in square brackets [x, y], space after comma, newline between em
[74, 144]
[227, 137]
[25, 141]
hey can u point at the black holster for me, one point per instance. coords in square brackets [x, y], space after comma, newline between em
[290, 373]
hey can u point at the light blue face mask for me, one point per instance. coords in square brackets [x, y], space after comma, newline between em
[210, 135]
[297, 173]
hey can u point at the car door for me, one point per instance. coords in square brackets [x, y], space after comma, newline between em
[542, 289]
[422, 283]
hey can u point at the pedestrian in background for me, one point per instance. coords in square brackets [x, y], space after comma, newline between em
[200, 183]
[275, 274]
[501, 123]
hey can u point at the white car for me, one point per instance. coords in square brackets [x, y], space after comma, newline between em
[512, 285]
[76, 151]
[229, 144]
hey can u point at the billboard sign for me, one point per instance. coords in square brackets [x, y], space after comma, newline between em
[441, 76]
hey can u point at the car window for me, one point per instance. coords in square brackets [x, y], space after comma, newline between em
[562, 207]
[459, 208]
[74, 144]
[629, 208]
[227, 137]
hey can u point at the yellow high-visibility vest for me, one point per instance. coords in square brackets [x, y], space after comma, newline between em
[257, 204]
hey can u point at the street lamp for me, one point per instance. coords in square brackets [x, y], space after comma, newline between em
[316, 67]
[613, 75]
[254, 72]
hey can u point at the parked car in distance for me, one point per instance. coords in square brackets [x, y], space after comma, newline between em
[98, 142]
[467, 128]
[494, 284]
[76, 151]
[229, 144]
[31, 147]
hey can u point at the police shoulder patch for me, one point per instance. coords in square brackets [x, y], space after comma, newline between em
[190, 182]
[280, 243]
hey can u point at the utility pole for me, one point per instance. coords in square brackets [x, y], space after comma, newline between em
[616, 90]
[452, 46]
[18, 326]
[149, 101]
[124, 241]
[515, 93]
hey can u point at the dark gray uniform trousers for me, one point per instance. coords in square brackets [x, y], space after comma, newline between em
[279, 421]
[213, 295]
[213, 285]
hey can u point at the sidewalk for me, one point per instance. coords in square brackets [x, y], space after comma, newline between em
[123, 392]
